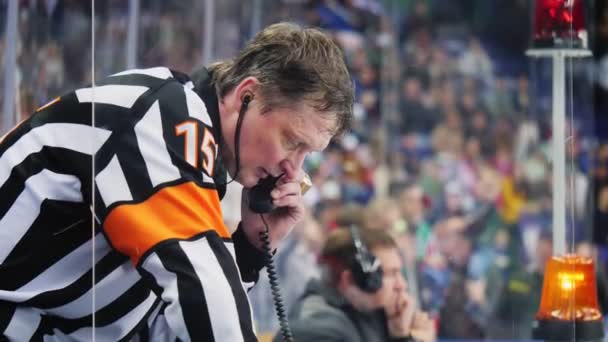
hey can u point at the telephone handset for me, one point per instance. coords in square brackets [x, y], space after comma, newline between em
[260, 200]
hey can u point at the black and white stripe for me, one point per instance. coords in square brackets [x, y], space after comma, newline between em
[189, 289]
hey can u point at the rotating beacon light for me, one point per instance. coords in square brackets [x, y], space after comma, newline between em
[559, 24]
[569, 309]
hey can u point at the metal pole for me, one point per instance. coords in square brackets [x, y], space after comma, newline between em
[256, 17]
[132, 31]
[10, 64]
[208, 31]
[92, 189]
[559, 155]
[558, 57]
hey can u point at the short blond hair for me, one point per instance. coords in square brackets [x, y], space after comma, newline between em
[292, 64]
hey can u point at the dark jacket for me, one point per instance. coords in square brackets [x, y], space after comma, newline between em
[323, 315]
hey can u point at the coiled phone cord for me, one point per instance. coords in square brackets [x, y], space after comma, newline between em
[279, 306]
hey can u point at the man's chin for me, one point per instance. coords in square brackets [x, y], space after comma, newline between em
[247, 182]
[248, 179]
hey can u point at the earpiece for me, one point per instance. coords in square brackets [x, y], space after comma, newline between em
[246, 100]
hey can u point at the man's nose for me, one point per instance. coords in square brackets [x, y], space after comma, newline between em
[299, 160]
[293, 164]
[401, 283]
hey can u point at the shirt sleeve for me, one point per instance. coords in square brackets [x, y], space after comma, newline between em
[249, 258]
[158, 205]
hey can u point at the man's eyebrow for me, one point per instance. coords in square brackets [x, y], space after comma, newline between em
[320, 148]
[317, 148]
[301, 138]
[322, 145]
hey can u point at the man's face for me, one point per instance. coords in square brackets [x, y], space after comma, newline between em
[412, 204]
[277, 141]
[393, 283]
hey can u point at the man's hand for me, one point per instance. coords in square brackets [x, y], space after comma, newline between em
[289, 209]
[400, 315]
[404, 319]
[423, 328]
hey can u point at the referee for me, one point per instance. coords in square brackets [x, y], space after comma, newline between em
[110, 224]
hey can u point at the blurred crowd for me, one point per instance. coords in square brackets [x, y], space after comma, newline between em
[450, 151]
[460, 173]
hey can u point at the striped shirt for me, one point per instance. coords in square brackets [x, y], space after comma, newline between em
[165, 265]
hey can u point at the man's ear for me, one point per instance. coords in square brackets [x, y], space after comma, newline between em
[345, 280]
[246, 89]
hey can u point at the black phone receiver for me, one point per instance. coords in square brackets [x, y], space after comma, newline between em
[260, 200]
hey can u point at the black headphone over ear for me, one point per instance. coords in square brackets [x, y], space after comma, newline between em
[366, 268]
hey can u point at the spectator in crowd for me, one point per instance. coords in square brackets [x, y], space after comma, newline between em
[475, 62]
[520, 296]
[419, 17]
[349, 304]
[383, 214]
[456, 319]
[416, 118]
[600, 212]
[500, 100]
[413, 204]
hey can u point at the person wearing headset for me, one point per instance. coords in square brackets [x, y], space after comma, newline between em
[362, 296]
[110, 224]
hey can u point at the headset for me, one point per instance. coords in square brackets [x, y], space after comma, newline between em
[237, 134]
[260, 202]
[366, 268]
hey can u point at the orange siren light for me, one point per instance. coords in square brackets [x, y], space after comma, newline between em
[569, 309]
